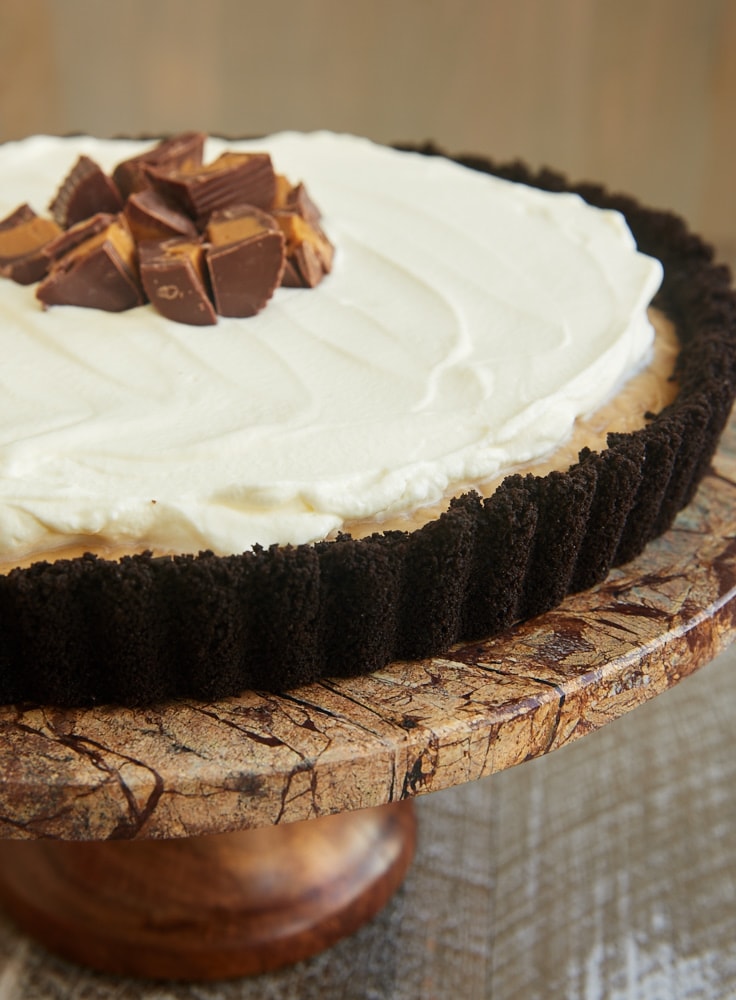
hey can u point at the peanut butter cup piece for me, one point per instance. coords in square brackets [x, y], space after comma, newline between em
[245, 259]
[173, 276]
[231, 179]
[309, 254]
[23, 213]
[23, 237]
[151, 217]
[77, 234]
[182, 151]
[99, 273]
[86, 190]
[295, 198]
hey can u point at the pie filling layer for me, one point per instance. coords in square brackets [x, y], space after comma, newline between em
[467, 324]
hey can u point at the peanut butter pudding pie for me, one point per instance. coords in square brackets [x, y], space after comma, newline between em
[296, 407]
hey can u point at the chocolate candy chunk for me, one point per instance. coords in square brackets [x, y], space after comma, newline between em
[309, 254]
[23, 236]
[295, 198]
[173, 277]
[151, 217]
[23, 213]
[180, 151]
[85, 191]
[245, 259]
[232, 179]
[77, 234]
[98, 273]
[153, 212]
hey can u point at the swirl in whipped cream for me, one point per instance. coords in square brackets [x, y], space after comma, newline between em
[467, 323]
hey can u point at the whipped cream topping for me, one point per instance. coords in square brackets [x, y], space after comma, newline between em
[466, 325]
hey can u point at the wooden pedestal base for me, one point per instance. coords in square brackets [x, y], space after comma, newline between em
[209, 907]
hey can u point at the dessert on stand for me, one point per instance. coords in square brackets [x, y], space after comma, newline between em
[209, 760]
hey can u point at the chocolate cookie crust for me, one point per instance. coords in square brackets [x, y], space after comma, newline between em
[146, 628]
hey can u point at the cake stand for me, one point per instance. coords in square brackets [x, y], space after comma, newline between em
[209, 840]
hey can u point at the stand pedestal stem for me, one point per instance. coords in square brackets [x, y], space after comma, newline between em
[209, 907]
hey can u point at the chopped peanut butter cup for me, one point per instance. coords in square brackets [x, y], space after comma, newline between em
[173, 276]
[151, 217]
[181, 151]
[309, 253]
[98, 273]
[74, 236]
[231, 179]
[23, 237]
[245, 259]
[295, 198]
[85, 191]
[167, 196]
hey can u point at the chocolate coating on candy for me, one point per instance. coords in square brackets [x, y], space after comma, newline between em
[67, 241]
[99, 273]
[23, 213]
[97, 280]
[309, 254]
[245, 259]
[23, 237]
[185, 150]
[85, 191]
[173, 277]
[166, 193]
[295, 198]
[232, 179]
[152, 217]
[245, 275]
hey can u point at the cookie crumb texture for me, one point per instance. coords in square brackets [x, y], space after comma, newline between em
[147, 628]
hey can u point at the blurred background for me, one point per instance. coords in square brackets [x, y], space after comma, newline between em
[639, 94]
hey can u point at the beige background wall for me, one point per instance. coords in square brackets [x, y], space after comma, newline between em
[638, 93]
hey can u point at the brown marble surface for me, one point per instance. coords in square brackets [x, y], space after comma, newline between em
[191, 768]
